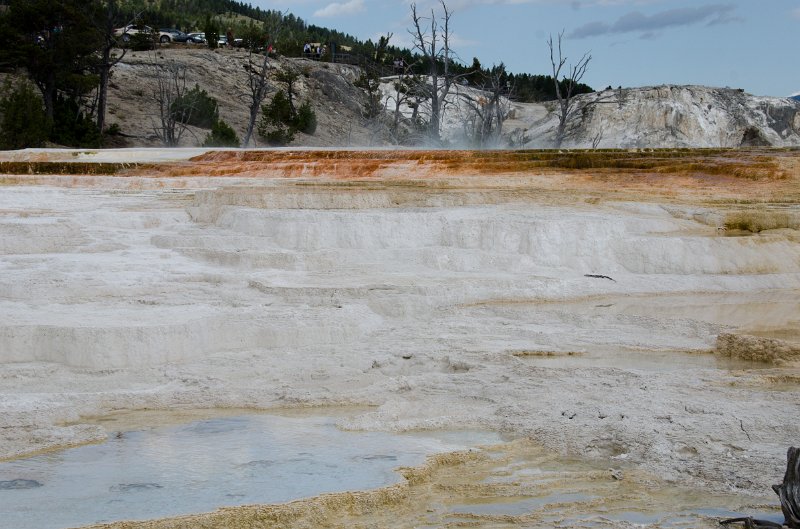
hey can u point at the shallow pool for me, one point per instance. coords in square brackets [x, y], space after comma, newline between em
[205, 464]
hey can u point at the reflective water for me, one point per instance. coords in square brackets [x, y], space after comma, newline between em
[197, 467]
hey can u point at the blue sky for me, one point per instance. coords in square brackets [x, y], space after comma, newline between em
[749, 44]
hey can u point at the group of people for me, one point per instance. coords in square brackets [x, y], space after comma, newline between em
[399, 66]
[311, 51]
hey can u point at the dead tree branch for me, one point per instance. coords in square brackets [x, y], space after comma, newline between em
[431, 38]
[258, 66]
[488, 108]
[571, 79]
[169, 91]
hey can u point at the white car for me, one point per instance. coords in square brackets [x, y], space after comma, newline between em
[132, 29]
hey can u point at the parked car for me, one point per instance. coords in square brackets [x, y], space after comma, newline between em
[223, 41]
[197, 38]
[132, 29]
[175, 35]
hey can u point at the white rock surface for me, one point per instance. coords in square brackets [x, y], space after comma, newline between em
[682, 116]
[666, 116]
[116, 299]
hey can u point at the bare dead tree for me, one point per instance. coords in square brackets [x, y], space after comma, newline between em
[431, 38]
[408, 93]
[571, 79]
[518, 138]
[169, 95]
[258, 66]
[488, 108]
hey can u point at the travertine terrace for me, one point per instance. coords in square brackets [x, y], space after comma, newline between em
[570, 298]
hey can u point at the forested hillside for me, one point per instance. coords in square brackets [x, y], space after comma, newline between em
[243, 17]
[68, 50]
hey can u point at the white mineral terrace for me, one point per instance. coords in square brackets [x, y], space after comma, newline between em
[441, 317]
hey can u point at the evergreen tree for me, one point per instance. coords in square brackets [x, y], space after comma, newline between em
[24, 123]
[221, 135]
[211, 30]
[196, 108]
[55, 42]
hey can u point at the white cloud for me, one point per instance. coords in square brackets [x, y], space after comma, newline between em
[337, 9]
[635, 21]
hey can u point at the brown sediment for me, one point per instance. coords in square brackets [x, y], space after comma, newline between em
[710, 175]
[68, 168]
[757, 348]
[528, 353]
[755, 220]
[698, 163]
[695, 173]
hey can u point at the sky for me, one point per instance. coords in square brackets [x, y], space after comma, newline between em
[748, 44]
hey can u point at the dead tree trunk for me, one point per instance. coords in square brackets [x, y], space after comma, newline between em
[789, 494]
[434, 45]
[169, 95]
[257, 75]
[789, 490]
[106, 26]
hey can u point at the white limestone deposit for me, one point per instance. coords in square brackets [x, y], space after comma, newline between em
[676, 116]
[438, 317]
[665, 116]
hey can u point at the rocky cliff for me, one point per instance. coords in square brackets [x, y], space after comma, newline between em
[670, 116]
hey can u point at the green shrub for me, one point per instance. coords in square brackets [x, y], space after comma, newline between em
[279, 122]
[24, 122]
[306, 119]
[221, 135]
[113, 130]
[196, 108]
[279, 136]
[276, 120]
[278, 111]
[211, 30]
[142, 41]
